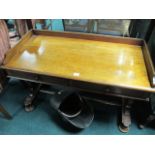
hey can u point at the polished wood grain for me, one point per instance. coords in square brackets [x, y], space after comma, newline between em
[81, 59]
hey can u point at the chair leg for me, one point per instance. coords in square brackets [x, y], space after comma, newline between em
[5, 113]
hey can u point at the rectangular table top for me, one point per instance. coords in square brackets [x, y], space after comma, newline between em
[81, 59]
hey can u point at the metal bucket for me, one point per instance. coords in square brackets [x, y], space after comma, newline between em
[71, 106]
[73, 109]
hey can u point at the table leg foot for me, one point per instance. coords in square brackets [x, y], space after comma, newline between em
[148, 120]
[141, 126]
[29, 108]
[123, 128]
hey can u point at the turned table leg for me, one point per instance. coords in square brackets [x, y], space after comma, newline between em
[125, 116]
[29, 101]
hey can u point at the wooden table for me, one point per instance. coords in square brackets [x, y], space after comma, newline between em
[99, 64]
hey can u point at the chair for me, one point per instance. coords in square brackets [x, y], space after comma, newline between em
[4, 112]
[78, 25]
[116, 27]
[4, 46]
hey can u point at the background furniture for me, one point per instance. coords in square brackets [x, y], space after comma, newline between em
[116, 27]
[4, 47]
[78, 25]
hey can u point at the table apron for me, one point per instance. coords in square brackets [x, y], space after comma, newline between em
[80, 85]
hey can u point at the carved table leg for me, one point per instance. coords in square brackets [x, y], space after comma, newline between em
[148, 120]
[29, 101]
[125, 116]
[150, 114]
